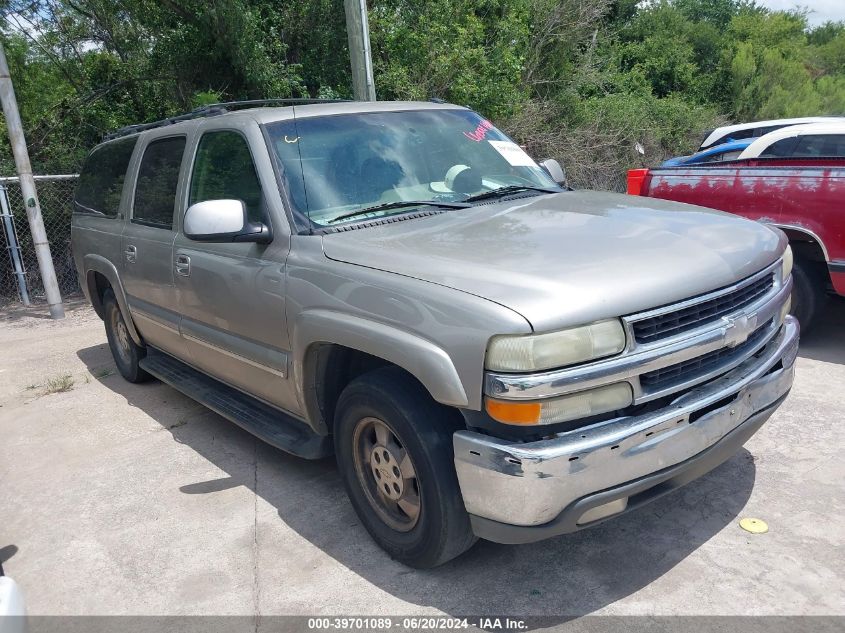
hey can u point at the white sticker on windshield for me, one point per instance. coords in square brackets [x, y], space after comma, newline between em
[512, 153]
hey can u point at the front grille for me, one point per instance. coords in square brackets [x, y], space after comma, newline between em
[665, 325]
[689, 369]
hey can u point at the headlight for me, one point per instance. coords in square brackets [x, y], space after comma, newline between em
[572, 407]
[786, 263]
[536, 352]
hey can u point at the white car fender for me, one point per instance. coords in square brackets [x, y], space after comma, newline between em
[12, 607]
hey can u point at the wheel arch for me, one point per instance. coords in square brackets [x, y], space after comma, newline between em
[332, 348]
[809, 243]
[100, 274]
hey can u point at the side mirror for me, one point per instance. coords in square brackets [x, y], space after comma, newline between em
[222, 221]
[554, 170]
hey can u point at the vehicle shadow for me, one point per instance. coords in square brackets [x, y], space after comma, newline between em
[6, 553]
[558, 579]
[826, 340]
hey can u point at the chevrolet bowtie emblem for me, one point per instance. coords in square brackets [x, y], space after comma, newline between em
[739, 328]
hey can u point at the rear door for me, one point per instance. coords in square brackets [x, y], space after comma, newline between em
[98, 220]
[147, 243]
[232, 295]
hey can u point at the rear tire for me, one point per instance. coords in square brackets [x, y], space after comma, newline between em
[808, 292]
[126, 353]
[394, 451]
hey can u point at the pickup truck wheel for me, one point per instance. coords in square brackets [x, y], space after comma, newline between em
[127, 354]
[808, 293]
[394, 451]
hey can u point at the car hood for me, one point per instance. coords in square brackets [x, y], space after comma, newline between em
[568, 258]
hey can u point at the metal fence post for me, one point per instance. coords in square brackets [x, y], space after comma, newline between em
[13, 245]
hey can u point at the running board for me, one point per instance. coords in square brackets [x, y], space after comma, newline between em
[272, 425]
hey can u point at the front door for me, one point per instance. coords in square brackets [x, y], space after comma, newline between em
[147, 245]
[232, 295]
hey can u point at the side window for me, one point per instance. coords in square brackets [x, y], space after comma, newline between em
[158, 177]
[836, 146]
[739, 135]
[101, 181]
[723, 156]
[704, 159]
[223, 169]
[719, 141]
[736, 135]
[780, 149]
[729, 155]
[762, 131]
[820, 145]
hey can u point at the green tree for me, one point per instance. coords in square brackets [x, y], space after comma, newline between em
[775, 70]
[470, 52]
[581, 80]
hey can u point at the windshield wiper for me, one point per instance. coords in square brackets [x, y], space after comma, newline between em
[503, 191]
[399, 204]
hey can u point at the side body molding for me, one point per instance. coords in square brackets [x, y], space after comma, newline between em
[427, 362]
[99, 264]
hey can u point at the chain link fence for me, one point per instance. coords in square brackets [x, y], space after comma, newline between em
[19, 274]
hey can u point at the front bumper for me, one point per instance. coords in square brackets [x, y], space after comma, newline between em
[523, 492]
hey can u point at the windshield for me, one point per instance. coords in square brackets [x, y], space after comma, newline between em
[336, 165]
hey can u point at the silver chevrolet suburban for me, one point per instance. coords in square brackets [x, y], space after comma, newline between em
[486, 352]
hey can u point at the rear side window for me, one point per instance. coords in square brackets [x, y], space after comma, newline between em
[781, 149]
[762, 131]
[158, 178]
[716, 158]
[820, 146]
[101, 181]
[736, 135]
[223, 169]
[808, 146]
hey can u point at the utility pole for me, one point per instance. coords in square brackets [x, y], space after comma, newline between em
[360, 55]
[30, 196]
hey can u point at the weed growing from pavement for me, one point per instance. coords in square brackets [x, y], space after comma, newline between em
[58, 384]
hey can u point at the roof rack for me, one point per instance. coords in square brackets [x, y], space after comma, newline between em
[214, 109]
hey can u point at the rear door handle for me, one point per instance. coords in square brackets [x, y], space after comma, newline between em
[131, 254]
[183, 265]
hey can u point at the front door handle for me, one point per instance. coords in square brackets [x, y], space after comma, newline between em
[131, 254]
[183, 265]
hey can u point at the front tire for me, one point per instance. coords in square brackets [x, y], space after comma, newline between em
[394, 451]
[126, 353]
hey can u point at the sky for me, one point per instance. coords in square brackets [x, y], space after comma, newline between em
[820, 10]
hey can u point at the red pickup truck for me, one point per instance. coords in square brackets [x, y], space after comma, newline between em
[803, 197]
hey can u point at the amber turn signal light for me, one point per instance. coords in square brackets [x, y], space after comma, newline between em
[507, 412]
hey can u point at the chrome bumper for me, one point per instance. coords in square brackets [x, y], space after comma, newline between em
[532, 484]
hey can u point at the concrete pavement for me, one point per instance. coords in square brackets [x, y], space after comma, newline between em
[131, 499]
